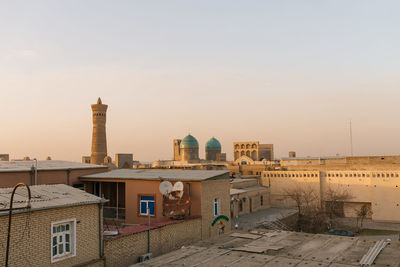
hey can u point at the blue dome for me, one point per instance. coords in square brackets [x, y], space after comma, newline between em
[213, 143]
[189, 141]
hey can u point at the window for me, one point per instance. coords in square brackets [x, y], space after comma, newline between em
[262, 200]
[240, 205]
[63, 240]
[217, 208]
[147, 203]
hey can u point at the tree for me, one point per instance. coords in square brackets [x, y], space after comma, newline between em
[306, 202]
[312, 216]
[334, 202]
[362, 212]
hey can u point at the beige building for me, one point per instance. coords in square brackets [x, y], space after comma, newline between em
[131, 191]
[4, 157]
[186, 149]
[99, 141]
[48, 172]
[248, 196]
[253, 150]
[124, 160]
[63, 227]
[378, 189]
[341, 163]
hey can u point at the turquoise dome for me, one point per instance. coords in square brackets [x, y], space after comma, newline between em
[213, 143]
[189, 141]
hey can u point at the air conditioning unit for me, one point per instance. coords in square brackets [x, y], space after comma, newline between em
[145, 257]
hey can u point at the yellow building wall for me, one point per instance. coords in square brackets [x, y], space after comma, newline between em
[386, 199]
[378, 188]
[30, 243]
[281, 181]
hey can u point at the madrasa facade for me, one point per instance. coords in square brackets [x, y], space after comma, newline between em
[187, 149]
[186, 153]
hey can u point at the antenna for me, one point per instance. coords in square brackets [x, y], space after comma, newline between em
[165, 188]
[351, 140]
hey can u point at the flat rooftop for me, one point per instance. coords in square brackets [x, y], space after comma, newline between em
[234, 191]
[44, 165]
[277, 249]
[179, 175]
[45, 197]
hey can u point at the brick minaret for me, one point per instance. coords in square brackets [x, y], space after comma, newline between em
[99, 142]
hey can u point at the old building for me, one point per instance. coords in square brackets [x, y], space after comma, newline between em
[213, 150]
[189, 149]
[48, 172]
[253, 150]
[4, 157]
[99, 141]
[124, 160]
[63, 227]
[377, 189]
[248, 196]
[134, 194]
[341, 163]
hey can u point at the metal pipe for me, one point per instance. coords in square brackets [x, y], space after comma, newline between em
[36, 164]
[148, 233]
[101, 204]
[10, 215]
[68, 176]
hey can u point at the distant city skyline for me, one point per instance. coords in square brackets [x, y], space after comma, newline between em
[287, 73]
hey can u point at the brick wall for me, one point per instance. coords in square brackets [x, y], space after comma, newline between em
[211, 189]
[126, 250]
[31, 237]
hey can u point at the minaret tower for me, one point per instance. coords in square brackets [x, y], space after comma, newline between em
[99, 142]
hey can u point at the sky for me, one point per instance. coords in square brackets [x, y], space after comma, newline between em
[290, 73]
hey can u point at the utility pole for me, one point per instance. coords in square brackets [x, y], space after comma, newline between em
[148, 232]
[351, 140]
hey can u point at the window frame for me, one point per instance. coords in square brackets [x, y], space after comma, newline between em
[147, 201]
[217, 202]
[73, 241]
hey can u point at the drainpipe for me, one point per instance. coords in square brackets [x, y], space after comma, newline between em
[148, 232]
[32, 172]
[68, 176]
[36, 163]
[28, 205]
[101, 248]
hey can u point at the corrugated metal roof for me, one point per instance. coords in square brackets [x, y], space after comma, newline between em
[18, 166]
[181, 175]
[235, 191]
[46, 197]
[373, 252]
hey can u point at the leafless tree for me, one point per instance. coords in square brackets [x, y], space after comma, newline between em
[362, 212]
[306, 202]
[334, 202]
[312, 216]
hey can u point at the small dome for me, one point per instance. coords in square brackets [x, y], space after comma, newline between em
[213, 143]
[189, 141]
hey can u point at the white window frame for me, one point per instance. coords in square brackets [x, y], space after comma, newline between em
[147, 205]
[218, 202]
[72, 232]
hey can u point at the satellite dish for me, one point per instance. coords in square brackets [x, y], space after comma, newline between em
[178, 186]
[165, 187]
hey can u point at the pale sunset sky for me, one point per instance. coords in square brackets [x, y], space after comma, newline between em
[290, 73]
